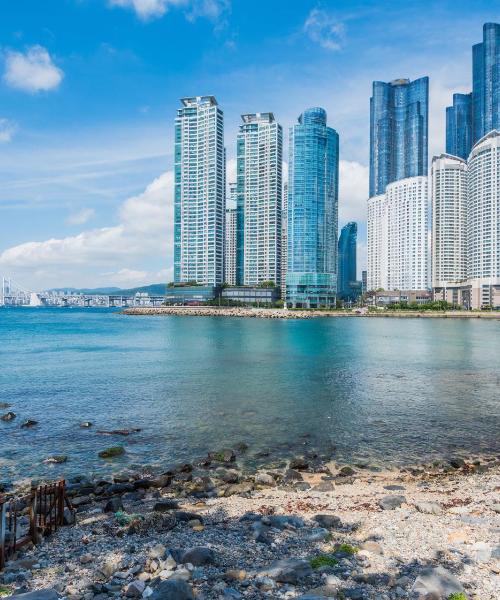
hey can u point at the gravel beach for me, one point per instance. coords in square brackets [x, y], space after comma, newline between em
[208, 531]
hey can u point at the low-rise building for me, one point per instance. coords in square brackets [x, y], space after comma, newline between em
[251, 295]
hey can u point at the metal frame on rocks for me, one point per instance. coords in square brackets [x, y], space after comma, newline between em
[44, 506]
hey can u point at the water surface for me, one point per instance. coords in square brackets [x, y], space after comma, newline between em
[377, 390]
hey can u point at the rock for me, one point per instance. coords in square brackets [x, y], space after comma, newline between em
[47, 594]
[317, 534]
[110, 566]
[372, 547]
[157, 551]
[181, 574]
[86, 424]
[120, 488]
[8, 417]
[262, 478]
[166, 505]
[238, 488]
[436, 583]
[429, 508]
[28, 424]
[229, 475]
[328, 521]
[283, 521]
[260, 533]
[199, 556]
[347, 472]
[86, 558]
[355, 593]
[232, 593]
[299, 463]
[235, 575]
[496, 508]
[173, 590]
[225, 456]
[394, 488]
[142, 484]
[287, 570]
[69, 517]
[186, 516]
[56, 459]
[391, 502]
[457, 463]
[324, 486]
[113, 505]
[4, 405]
[292, 475]
[135, 589]
[80, 501]
[112, 452]
[481, 552]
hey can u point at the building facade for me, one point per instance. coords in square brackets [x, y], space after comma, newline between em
[199, 196]
[483, 179]
[398, 131]
[347, 288]
[284, 239]
[398, 234]
[459, 126]
[311, 279]
[449, 228]
[259, 197]
[230, 247]
[486, 82]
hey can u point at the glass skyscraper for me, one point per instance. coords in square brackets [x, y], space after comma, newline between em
[398, 131]
[486, 82]
[199, 198]
[311, 279]
[459, 126]
[259, 197]
[474, 115]
[347, 262]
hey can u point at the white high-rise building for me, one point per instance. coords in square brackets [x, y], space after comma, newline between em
[199, 200]
[284, 239]
[399, 236]
[449, 227]
[259, 191]
[484, 221]
[230, 246]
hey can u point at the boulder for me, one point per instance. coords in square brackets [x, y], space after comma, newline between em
[173, 589]
[262, 478]
[8, 416]
[112, 452]
[287, 570]
[457, 463]
[436, 582]
[28, 424]
[113, 505]
[135, 589]
[429, 508]
[225, 456]
[165, 505]
[391, 502]
[299, 463]
[47, 594]
[328, 521]
[198, 556]
[238, 488]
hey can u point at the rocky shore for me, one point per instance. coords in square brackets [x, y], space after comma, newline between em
[310, 530]
[279, 313]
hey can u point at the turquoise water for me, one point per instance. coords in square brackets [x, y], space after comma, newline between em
[378, 390]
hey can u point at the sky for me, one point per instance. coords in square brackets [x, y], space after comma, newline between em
[89, 91]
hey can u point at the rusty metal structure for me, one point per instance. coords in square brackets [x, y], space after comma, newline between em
[28, 518]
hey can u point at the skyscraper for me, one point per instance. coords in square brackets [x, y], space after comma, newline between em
[259, 197]
[284, 240]
[398, 237]
[486, 82]
[449, 225]
[199, 199]
[398, 131]
[311, 279]
[483, 183]
[230, 240]
[347, 261]
[459, 126]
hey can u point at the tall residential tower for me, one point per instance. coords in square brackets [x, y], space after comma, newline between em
[199, 199]
[311, 279]
[459, 126]
[347, 262]
[259, 196]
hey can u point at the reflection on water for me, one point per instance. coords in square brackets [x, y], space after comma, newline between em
[377, 390]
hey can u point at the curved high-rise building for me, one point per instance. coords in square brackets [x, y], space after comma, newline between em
[311, 279]
[449, 225]
[484, 221]
[398, 131]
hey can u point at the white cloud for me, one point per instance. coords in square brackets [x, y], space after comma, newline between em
[32, 71]
[126, 277]
[7, 130]
[353, 191]
[324, 29]
[144, 230]
[81, 217]
[154, 9]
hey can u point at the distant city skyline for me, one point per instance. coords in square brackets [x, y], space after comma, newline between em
[86, 136]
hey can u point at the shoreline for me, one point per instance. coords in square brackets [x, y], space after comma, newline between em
[206, 530]
[279, 313]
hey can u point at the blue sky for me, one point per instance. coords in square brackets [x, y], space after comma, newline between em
[89, 89]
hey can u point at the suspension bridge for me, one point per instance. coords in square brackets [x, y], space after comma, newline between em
[13, 294]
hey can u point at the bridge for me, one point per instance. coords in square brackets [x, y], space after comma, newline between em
[13, 294]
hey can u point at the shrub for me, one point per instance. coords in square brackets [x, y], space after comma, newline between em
[323, 560]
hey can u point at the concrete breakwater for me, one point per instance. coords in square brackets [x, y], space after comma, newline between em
[279, 313]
